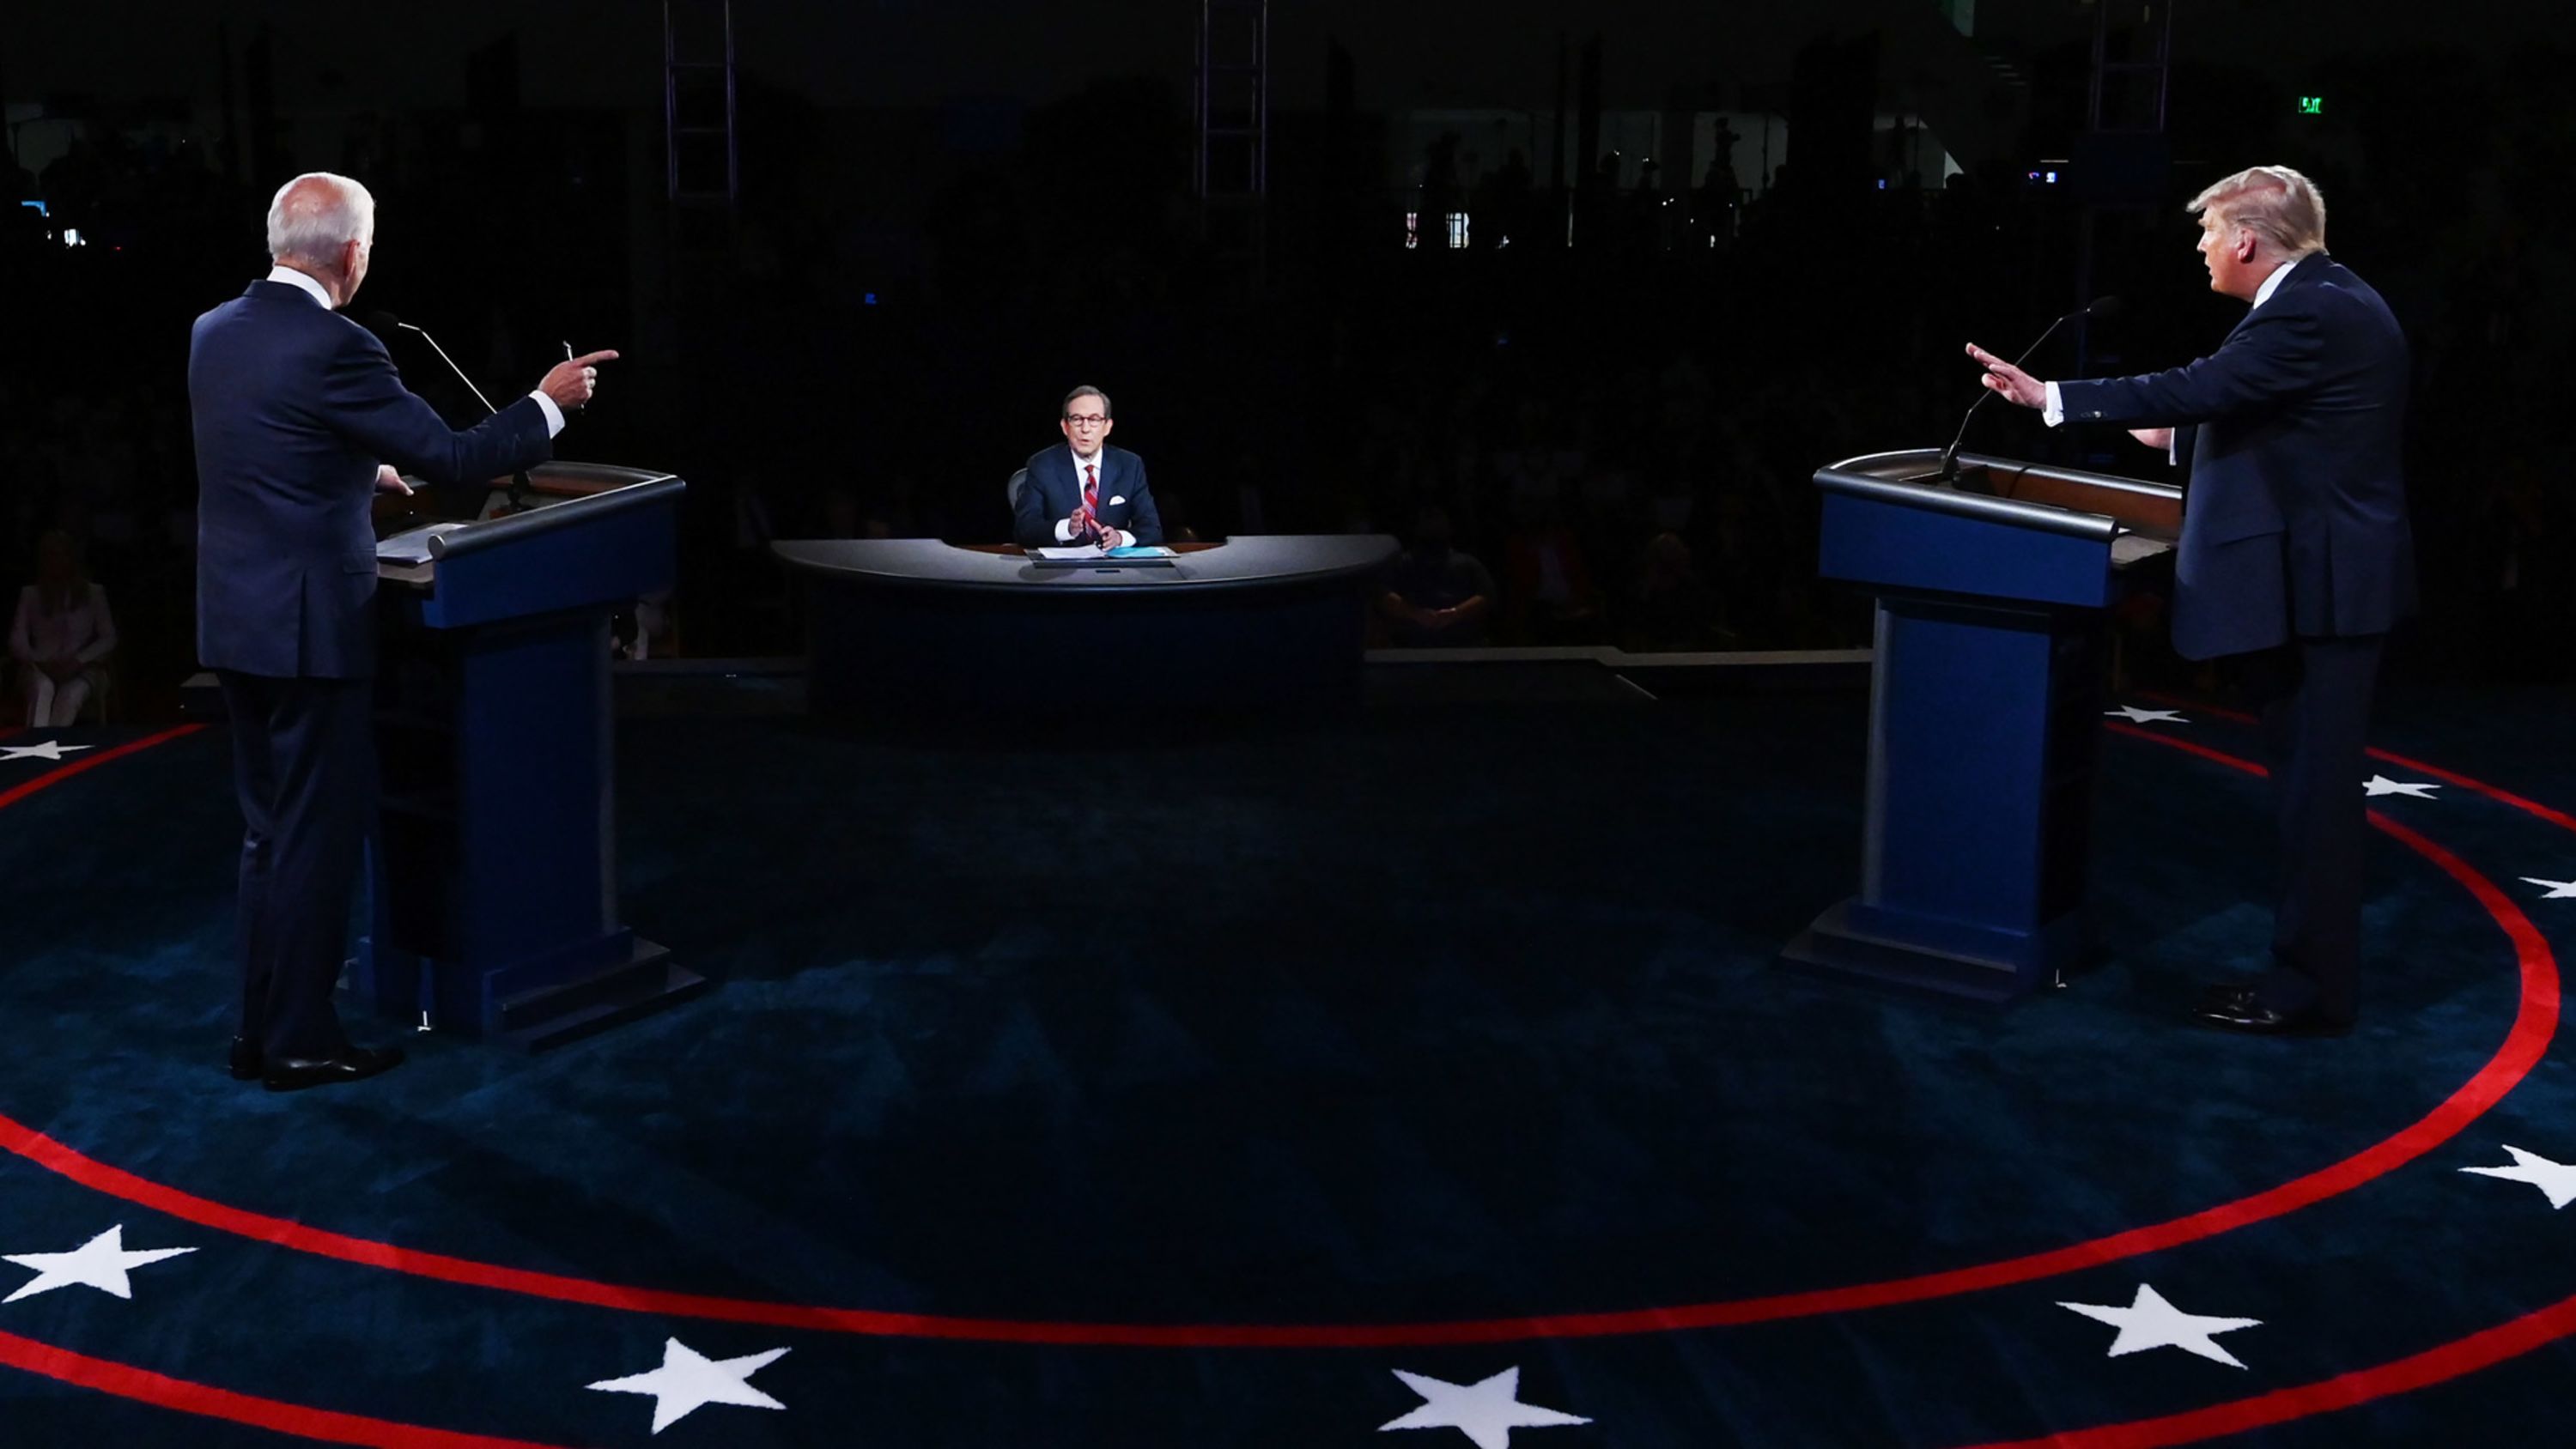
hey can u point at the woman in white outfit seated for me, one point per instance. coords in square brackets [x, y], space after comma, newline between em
[62, 635]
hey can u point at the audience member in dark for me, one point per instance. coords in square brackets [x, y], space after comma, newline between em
[1553, 600]
[1673, 609]
[1436, 596]
[61, 636]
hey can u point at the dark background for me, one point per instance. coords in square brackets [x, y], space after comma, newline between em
[946, 215]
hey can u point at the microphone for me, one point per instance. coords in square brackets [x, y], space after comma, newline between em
[2099, 308]
[382, 321]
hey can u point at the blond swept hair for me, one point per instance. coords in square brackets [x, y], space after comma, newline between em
[2275, 203]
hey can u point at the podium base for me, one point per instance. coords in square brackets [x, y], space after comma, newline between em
[1837, 944]
[610, 996]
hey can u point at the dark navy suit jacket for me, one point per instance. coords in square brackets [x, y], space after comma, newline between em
[2294, 519]
[1054, 490]
[294, 405]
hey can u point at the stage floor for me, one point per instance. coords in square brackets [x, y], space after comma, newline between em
[1090, 1088]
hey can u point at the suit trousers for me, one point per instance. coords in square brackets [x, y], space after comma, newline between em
[2314, 697]
[304, 767]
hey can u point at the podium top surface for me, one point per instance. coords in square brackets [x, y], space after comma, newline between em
[2040, 496]
[567, 495]
[1244, 562]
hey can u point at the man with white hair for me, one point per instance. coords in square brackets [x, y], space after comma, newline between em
[2296, 552]
[299, 419]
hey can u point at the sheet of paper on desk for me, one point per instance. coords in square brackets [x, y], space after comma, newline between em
[411, 546]
[1078, 550]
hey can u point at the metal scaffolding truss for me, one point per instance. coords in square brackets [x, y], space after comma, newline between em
[2132, 65]
[701, 165]
[1234, 100]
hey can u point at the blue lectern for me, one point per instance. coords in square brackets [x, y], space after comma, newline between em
[493, 873]
[1985, 707]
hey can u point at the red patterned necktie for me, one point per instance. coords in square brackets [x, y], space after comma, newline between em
[1091, 490]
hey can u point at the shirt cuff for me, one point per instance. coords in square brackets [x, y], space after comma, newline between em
[1064, 530]
[555, 417]
[2055, 412]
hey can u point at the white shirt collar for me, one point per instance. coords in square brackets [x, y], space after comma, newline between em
[318, 293]
[2272, 283]
[1099, 458]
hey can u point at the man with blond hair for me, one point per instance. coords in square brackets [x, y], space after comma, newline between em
[2295, 552]
[299, 419]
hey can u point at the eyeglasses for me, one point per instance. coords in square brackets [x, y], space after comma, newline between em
[1086, 420]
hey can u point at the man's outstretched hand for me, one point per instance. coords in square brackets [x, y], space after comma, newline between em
[571, 381]
[2010, 382]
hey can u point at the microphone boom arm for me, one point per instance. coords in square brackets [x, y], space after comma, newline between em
[452, 367]
[1950, 454]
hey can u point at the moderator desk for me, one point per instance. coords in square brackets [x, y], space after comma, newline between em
[918, 627]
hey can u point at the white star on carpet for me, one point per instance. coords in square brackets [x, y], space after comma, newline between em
[2135, 715]
[2382, 785]
[2559, 890]
[2150, 1322]
[1486, 1412]
[688, 1381]
[2557, 1179]
[49, 750]
[100, 1263]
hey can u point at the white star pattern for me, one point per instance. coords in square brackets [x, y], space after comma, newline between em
[2135, 715]
[49, 750]
[2557, 1179]
[2378, 785]
[2150, 1322]
[688, 1381]
[101, 1263]
[1486, 1411]
[2559, 890]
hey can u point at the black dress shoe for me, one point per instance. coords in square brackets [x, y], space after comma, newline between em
[2251, 1015]
[353, 1064]
[246, 1066]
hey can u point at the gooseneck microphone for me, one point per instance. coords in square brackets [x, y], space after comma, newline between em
[388, 319]
[381, 321]
[2098, 308]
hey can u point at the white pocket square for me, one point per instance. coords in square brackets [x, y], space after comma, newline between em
[1114, 502]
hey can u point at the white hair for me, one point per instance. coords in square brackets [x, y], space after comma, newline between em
[313, 216]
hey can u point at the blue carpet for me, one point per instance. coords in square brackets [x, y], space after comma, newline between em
[1444, 1014]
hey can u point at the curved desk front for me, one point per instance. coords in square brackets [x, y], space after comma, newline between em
[917, 626]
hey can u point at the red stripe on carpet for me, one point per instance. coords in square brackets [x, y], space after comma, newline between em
[86, 763]
[2443, 1362]
[2524, 1045]
[2188, 747]
[206, 1401]
[2559, 818]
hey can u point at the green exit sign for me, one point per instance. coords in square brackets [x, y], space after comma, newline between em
[2312, 105]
